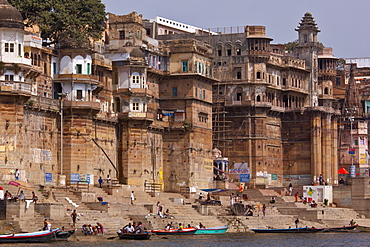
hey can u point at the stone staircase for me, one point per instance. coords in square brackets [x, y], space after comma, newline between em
[119, 211]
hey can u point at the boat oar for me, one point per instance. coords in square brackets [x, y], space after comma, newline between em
[75, 237]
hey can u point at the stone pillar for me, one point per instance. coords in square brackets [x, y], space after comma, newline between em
[316, 161]
[326, 149]
[334, 153]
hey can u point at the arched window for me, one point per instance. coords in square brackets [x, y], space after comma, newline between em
[258, 98]
[326, 91]
[258, 75]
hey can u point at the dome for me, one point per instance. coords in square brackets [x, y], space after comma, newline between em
[136, 52]
[10, 17]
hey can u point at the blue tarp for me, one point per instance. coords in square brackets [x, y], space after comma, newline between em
[212, 190]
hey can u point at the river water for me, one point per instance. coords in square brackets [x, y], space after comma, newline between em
[232, 240]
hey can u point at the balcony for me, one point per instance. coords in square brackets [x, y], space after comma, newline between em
[15, 88]
[137, 116]
[82, 105]
[76, 78]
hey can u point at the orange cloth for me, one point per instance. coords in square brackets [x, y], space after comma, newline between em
[241, 188]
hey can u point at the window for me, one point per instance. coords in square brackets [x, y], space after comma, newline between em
[356, 142]
[202, 117]
[305, 38]
[121, 34]
[79, 94]
[284, 81]
[229, 51]
[238, 75]
[136, 79]
[135, 106]
[200, 93]
[326, 91]
[204, 94]
[54, 67]
[78, 68]
[88, 72]
[9, 77]
[174, 91]
[9, 47]
[258, 75]
[185, 66]
[19, 50]
[362, 141]
[239, 97]
[196, 92]
[219, 52]
[238, 51]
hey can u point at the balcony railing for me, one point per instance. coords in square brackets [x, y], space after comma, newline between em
[15, 87]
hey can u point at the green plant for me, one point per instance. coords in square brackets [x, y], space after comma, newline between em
[187, 125]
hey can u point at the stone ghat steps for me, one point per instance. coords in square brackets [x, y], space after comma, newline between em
[245, 224]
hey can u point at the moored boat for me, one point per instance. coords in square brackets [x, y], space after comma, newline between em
[184, 231]
[64, 234]
[134, 236]
[340, 229]
[30, 237]
[212, 230]
[363, 228]
[288, 230]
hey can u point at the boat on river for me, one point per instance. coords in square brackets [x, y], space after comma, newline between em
[64, 234]
[134, 236]
[30, 237]
[212, 230]
[341, 229]
[184, 231]
[288, 230]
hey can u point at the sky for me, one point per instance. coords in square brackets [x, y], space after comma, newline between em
[344, 24]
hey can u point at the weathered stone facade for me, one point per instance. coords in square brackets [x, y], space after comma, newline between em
[145, 110]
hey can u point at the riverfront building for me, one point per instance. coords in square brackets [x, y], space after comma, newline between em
[149, 102]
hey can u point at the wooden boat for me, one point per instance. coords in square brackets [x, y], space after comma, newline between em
[340, 229]
[64, 235]
[30, 237]
[288, 230]
[363, 228]
[212, 230]
[185, 231]
[134, 236]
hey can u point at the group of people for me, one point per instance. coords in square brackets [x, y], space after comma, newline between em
[101, 181]
[170, 226]
[160, 213]
[236, 198]
[21, 196]
[89, 229]
[133, 228]
[201, 197]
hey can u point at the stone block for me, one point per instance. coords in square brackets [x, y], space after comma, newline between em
[19, 209]
[52, 211]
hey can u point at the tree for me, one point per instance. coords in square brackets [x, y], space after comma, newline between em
[290, 46]
[69, 23]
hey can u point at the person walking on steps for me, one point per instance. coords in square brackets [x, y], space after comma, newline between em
[74, 217]
[132, 197]
[100, 181]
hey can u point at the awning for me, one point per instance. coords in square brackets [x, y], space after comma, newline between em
[21, 185]
[342, 171]
[212, 190]
[217, 169]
